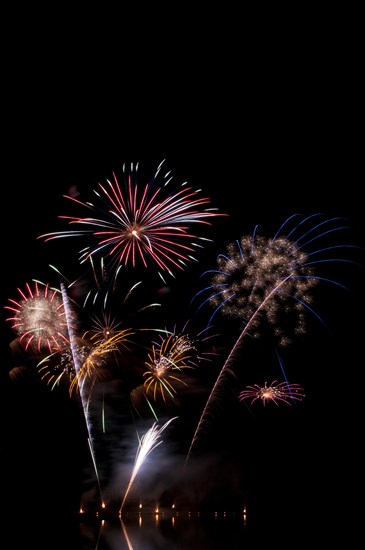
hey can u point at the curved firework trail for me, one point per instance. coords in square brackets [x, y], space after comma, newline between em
[226, 366]
[259, 277]
[141, 225]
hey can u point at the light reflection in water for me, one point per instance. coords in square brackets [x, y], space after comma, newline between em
[165, 531]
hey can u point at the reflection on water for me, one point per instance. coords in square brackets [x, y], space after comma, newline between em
[174, 532]
[152, 530]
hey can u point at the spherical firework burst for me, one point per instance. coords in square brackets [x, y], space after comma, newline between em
[274, 392]
[39, 318]
[251, 269]
[270, 276]
[133, 224]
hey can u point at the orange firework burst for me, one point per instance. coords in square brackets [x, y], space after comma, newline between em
[92, 357]
[106, 331]
[165, 363]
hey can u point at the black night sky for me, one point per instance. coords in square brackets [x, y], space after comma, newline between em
[275, 136]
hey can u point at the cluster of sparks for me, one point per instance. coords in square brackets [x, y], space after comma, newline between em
[257, 279]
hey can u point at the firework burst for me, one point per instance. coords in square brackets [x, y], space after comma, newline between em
[165, 364]
[273, 392]
[171, 356]
[39, 318]
[134, 225]
[102, 328]
[263, 278]
[92, 358]
[59, 365]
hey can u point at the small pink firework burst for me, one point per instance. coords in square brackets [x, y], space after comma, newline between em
[275, 392]
[39, 318]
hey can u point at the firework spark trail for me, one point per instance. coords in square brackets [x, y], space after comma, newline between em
[227, 364]
[129, 544]
[84, 400]
[148, 442]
